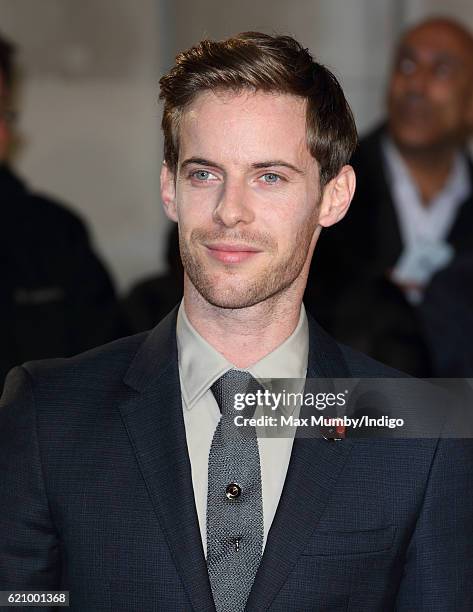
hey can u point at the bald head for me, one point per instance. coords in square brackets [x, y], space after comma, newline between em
[457, 34]
[430, 97]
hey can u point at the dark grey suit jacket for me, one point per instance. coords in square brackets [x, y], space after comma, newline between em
[97, 497]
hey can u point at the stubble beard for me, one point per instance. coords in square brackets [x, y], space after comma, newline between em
[273, 279]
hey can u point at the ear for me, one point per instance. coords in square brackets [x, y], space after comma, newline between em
[168, 192]
[336, 198]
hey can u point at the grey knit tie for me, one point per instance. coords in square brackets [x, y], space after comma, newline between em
[234, 500]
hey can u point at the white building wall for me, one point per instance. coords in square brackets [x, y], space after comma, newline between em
[353, 37]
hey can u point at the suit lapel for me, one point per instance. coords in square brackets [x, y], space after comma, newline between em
[312, 474]
[155, 425]
[387, 233]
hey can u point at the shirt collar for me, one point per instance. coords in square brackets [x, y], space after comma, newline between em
[200, 365]
[456, 189]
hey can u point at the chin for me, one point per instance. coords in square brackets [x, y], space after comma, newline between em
[231, 297]
[223, 293]
[232, 303]
[414, 140]
[232, 289]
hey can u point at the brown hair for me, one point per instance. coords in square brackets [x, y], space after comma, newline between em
[260, 62]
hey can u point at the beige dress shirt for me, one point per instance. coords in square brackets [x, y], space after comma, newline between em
[200, 365]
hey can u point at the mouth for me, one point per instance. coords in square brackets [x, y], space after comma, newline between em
[231, 253]
[414, 108]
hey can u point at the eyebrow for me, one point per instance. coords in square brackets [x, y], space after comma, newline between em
[258, 165]
[442, 56]
[277, 162]
[199, 161]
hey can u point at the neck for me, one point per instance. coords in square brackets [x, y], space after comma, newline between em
[245, 335]
[430, 170]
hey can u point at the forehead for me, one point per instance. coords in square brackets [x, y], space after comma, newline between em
[438, 40]
[245, 124]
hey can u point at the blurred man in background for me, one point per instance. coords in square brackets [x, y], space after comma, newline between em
[56, 298]
[413, 214]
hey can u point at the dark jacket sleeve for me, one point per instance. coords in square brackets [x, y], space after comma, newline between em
[438, 573]
[93, 315]
[29, 544]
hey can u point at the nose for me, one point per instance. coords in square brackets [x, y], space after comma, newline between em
[234, 204]
[418, 81]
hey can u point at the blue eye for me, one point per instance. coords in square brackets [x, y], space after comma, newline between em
[271, 178]
[201, 175]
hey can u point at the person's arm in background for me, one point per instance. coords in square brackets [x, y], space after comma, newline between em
[92, 309]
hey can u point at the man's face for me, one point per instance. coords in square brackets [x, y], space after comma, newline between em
[430, 97]
[246, 196]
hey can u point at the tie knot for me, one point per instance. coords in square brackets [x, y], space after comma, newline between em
[227, 386]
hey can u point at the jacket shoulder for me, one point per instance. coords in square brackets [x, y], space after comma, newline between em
[90, 373]
[67, 394]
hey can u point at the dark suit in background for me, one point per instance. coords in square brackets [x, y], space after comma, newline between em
[152, 298]
[447, 314]
[56, 298]
[97, 496]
